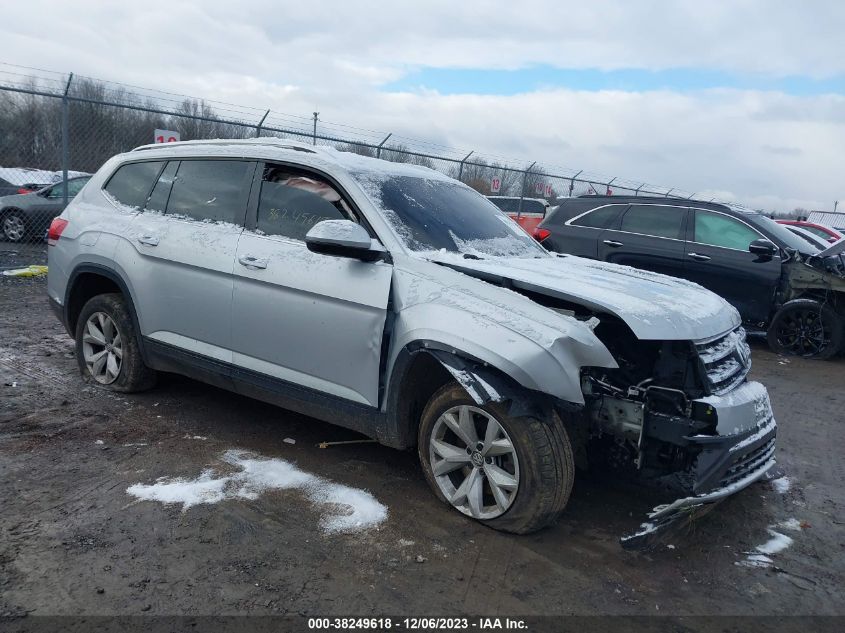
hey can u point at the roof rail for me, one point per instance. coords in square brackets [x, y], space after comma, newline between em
[264, 140]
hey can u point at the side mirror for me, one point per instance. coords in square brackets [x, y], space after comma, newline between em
[763, 248]
[342, 238]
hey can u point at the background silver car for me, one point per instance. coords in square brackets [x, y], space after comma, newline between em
[395, 301]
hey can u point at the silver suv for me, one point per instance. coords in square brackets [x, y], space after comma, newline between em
[395, 301]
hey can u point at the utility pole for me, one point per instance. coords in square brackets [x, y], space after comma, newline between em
[835, 204]
[316, 114]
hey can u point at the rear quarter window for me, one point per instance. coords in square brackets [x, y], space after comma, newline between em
[132, 183]
[600, 218]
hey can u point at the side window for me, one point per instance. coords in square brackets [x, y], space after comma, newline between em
[213, 190]
[654, 220]
[292, 201]
[75, 186]
[600, 218]
[532, 206]
[132, 183]
[716, 229]
[161, 192]
[507, 205]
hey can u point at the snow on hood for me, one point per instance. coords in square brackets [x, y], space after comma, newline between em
[655, 306]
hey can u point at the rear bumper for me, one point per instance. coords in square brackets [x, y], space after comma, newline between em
[727, 462]
[59, 310]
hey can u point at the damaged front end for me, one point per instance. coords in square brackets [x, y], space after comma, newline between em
[682, 415]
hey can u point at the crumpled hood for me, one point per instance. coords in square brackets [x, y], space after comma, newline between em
[655, 306]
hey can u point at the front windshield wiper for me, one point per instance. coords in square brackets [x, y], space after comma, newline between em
[471, 256]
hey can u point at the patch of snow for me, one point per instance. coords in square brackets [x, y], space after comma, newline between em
[777, 543]
[403, 542]
[345, 509]
[135, 444]
[754, 560]
[98, 442]
[289, 440]
[782, 484]
[188, 436]
[791, 524]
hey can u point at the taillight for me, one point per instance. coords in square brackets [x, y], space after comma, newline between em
[56, 227]
[23, 190]
[541, 234]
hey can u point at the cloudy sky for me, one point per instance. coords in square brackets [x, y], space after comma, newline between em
[742, 100]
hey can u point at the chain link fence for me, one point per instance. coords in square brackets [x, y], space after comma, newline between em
[56, 130]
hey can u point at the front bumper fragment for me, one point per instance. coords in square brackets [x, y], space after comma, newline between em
[739, 454]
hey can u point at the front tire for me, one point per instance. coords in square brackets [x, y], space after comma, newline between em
[807, 328]
[512, 474]
[107, 348]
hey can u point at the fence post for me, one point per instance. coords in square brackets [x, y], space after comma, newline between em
[65, 140]
[461, 168]
[637, 191]
[572, 183]
[380, 145]
[260, 123]
[316, 114]
[522, 191]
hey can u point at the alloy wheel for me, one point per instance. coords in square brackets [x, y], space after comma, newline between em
[102, 348]
[13, 228]
[474, 462]
[803, 333]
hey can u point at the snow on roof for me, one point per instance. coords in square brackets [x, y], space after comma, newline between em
[309, 154]
[29, 175]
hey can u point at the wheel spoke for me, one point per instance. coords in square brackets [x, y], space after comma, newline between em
[452, 457]
[475, 497]
[490, 435]
[108, 328]
[459, 497]
[111, 366]
[96, 333]
[462, 426]
[500, 478]
[99, 364]
[502, 446]
[502, 500]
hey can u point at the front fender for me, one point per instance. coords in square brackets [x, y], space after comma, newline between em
[548, 364]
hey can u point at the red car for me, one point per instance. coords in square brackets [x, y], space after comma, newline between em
[532, 213]
[824, 232]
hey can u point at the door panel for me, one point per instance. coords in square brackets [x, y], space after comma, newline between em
[182, 259]
[314, 320]
[648, 238]
[742, 278]
[182, 278]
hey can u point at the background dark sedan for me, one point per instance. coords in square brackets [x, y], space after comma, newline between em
[26, 216]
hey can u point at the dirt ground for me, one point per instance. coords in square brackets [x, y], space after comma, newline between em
[72, 541]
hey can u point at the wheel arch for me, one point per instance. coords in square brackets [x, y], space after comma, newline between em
[89, 280]
[422, 367]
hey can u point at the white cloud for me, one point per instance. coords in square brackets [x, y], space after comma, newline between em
[293, 57]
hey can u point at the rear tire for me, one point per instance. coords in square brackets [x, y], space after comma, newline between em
[107, 348]
[540, 462]
[14, 226]
[806, 328]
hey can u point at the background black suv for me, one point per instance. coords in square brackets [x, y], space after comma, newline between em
[741, 255]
